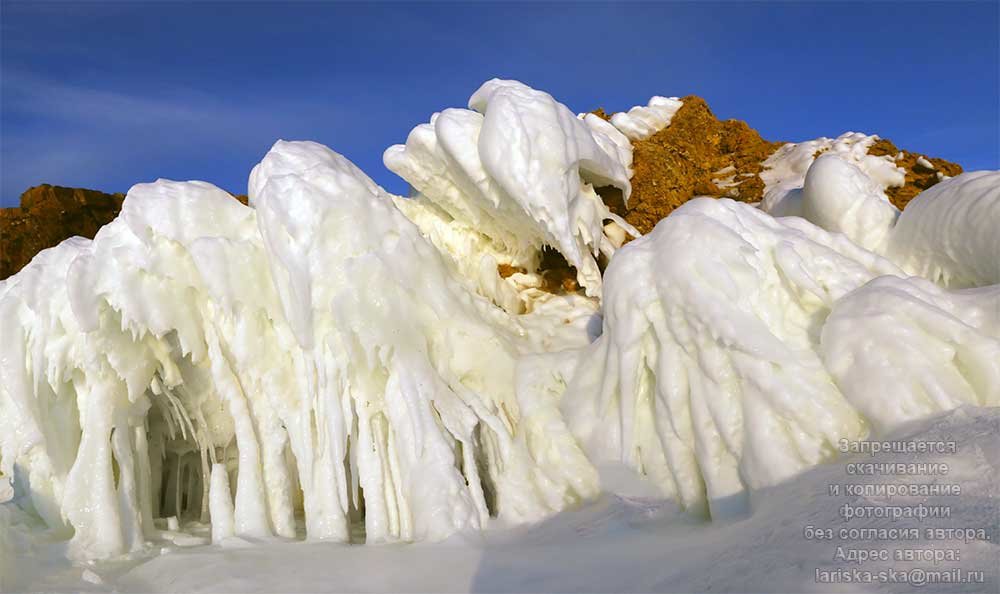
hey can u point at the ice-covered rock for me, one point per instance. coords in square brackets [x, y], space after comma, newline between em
[514, 173]
[839, 197]
[708, 377]
[642, 121]
[903, 349]
[785, 170]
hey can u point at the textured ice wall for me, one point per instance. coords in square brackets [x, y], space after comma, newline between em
[708, 377]
[313, 347]
[742, 358]
[905, 349]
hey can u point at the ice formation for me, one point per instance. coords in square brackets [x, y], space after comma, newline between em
[642, 121]
[315, 344]
[516, 174]
[340, 360]
[950, 235]
[708, 377]
[785, 171]
[838, 196]
[743, 357]
[6, 489]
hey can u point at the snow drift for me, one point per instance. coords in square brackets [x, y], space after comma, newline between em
[349, 364]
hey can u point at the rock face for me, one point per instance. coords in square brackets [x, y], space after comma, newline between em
[696, 155]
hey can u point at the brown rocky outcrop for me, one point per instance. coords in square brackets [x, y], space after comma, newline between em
[682, 160]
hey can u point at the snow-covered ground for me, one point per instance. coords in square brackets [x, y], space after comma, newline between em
[217, 397]
[633, 542]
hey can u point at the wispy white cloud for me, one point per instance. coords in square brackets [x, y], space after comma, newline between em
[67, 133]
[198, 113]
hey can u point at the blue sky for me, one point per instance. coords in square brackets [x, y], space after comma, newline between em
[110, 94]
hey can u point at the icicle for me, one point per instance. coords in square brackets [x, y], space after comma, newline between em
[220, 504]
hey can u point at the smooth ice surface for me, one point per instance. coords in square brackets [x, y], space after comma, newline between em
[642, 121]
[949, 235]
[334, 363]
[839, 197]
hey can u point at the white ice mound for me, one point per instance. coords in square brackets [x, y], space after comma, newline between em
[642, 121]
[946, 234]
[839, 197]
[753, 344]
[905, 349]
[516, 174]
[784, 171]
[316, 348]
[708, 377]
[950, 233]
